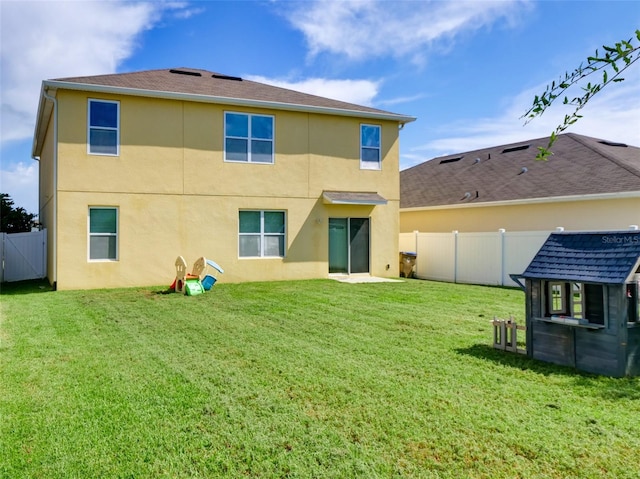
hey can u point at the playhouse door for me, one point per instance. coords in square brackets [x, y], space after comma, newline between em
[348, 245]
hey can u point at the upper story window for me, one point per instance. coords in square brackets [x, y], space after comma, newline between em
[104, 127]
[103, 233]
[262, 234]
[370, 157]
[248, 138]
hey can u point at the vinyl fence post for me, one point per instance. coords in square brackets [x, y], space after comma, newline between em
[415, 248]
[502, 231]
[455, 256]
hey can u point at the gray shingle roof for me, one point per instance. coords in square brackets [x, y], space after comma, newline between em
[192, 81]
[580, 165]
[604, 257]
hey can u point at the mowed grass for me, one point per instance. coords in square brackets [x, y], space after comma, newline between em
[306, 379]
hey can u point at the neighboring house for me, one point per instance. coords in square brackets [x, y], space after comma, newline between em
[588, 184]
[272, 184]
[582, 302]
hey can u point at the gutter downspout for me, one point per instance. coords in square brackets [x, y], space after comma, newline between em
[54, 221]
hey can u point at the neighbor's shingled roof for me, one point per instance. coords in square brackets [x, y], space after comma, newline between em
[605, 257]
[580, 165]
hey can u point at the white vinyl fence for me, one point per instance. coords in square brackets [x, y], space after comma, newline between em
[476, 258]
[23, 255]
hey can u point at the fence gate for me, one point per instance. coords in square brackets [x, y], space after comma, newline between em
[24, 256]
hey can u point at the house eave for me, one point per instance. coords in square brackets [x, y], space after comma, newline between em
[529, 201]
[45, 108]
[55, 84]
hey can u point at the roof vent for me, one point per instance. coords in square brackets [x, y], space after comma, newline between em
[466, 196]
[613, 143]
[515, 148]
[476, 161]
[524, 170]
[186, 72]
[450, 160]
[225, 77]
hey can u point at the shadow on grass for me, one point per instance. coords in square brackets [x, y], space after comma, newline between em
[603, 386]
[26, 287]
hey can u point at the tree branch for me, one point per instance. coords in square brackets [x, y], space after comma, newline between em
[608, 65]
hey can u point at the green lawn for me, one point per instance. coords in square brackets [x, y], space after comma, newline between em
[306, 379]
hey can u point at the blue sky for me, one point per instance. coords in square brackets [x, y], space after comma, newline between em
[466, 70]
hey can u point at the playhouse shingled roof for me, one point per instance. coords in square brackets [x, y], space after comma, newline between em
[603, 257]
[580, 165]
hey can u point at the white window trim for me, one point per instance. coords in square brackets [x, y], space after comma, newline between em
[577, 290]
[249, 138]
[116, 234]
[263, 234]
[563, 298]
[366, 165]
[116, 129]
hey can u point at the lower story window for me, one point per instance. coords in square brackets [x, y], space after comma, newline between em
[103, 233]
[261, 233]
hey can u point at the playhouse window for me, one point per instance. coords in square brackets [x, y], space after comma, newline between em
[594, 303]
[261, 234]
[557, 298]
[103, 234]
[369, 147]
[103, 121]
[248, 138]
[577, 300]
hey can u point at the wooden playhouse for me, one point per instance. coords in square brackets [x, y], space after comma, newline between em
[582, 302]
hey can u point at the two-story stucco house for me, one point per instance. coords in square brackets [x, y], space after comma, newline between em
[139, 168]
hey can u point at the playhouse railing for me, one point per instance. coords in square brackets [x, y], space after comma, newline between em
[505, 335]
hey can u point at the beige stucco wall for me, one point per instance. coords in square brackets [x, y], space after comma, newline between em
[596, 214]
[176, 196]
[46, 203]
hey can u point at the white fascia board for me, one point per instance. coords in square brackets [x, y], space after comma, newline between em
[402, 119]
[42, 119]
[530, 201]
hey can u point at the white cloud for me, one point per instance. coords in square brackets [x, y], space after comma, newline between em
[361, 92]
[399, 100]
[20, 181]
[373, 28]
[613, 114]
[43, 40]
